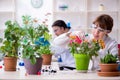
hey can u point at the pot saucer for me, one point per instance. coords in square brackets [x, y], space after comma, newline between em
[108, 74]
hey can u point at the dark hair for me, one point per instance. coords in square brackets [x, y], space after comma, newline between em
[60, 23]
[105, 21]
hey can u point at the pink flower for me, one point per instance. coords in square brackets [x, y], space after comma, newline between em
[71, 41]
[78, 40]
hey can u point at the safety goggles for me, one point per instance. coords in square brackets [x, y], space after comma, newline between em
[99, 29]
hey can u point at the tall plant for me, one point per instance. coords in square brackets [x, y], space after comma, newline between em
[11, 41]
[34, 31]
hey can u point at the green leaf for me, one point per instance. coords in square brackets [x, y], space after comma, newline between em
[33, 59]
[109, 58]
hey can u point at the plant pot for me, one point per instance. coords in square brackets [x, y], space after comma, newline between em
[82, 62]
[47, 59]
[109, 67]
[10, 63]
[33, 68]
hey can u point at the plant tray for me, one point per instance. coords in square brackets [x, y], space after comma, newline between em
[108, 74]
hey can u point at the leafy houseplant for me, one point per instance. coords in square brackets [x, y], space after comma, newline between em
[109, 63]
[11, 42]
[31, 41]
[109, 66]
[109, 58]
[45, 50]
[81, 49]
[36, 36]
[46, 54]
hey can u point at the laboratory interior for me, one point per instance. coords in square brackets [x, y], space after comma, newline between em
[60, 39]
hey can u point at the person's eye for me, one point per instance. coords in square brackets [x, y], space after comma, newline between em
[55, 30]
[101, 30]
[95, 27]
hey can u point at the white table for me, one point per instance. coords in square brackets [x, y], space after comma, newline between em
[61, 75]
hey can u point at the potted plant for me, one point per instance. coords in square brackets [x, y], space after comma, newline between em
[109, 65]
[10, 45]
[83, 50]
[31, 43]
[45, 50]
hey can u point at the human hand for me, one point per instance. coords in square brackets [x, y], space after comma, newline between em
[80, 34]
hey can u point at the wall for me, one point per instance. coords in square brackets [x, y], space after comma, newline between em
[24, 7]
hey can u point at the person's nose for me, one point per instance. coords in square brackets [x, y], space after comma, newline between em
[96, 31]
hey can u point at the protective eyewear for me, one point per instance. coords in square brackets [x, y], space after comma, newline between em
[99, 29]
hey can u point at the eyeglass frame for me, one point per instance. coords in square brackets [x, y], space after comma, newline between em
[99, 28]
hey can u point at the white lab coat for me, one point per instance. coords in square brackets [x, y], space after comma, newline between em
[60, 48]
[111, 45]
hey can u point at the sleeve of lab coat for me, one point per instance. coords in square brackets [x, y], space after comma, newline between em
[61, 41]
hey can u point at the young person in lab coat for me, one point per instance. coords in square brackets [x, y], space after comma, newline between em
[102, 26]
[60, 43]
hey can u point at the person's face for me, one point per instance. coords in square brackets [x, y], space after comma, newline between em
[98, 32]
[58, 30]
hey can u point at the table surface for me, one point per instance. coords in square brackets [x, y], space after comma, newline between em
[61, 75]
[69, 75]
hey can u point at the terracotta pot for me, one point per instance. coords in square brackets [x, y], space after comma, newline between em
[10, 63]
[47, 58]
[109, 67]
[33, 68]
